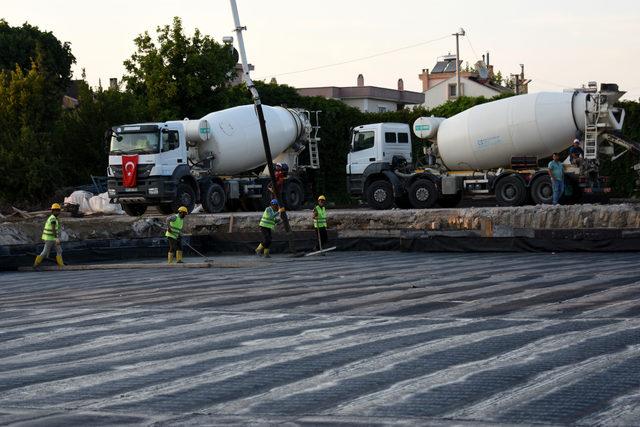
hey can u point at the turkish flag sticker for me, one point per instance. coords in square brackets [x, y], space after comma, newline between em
[129, 170]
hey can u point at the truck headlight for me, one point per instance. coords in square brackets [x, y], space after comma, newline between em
[112, 192]
[153, 191]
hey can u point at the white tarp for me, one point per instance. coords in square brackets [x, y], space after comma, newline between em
[89, 204]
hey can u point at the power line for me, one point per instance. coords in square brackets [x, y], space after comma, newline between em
[362, 58]
[472, 49]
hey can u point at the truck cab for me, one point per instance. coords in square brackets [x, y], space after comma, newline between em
[160, 152]
[379, 168]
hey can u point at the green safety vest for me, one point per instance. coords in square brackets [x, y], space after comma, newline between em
[269, 218]
[175, 227]
[51, 231]
[320, 221]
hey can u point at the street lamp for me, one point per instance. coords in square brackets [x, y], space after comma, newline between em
[458, 34]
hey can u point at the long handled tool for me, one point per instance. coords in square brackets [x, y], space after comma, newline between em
[206, 259]
[321, 251]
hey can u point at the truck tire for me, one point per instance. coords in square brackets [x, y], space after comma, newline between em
[379, 195]
[165, 208]
[293, 195]
[542, 191]
[185, 196]
[423, 194]
[450, 200]
[214, 198]
[134, 209]
[511, 191]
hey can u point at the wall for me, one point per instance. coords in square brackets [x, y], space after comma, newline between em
[370, 105]
[439, 94]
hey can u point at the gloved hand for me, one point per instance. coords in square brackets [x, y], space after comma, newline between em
[281, 210]
[57, 241]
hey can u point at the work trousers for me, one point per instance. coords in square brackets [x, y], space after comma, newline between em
[174, 245]
[48, 244]
[266, 237]
[558, 190]
[322, 231]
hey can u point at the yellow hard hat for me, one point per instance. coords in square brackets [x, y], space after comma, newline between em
[55, 206]
[183, 209]
[322, 198]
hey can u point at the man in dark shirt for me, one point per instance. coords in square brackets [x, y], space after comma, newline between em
[576, 153]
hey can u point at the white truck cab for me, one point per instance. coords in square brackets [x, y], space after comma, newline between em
[379, 142]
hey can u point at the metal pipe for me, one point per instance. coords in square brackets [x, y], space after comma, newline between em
[258, 105]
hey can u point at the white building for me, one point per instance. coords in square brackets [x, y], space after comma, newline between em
[369, 99]
[440, 86]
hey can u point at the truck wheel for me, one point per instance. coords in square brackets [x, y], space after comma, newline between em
[510, 191]
[293, 195]
[134, 209]
[423, 194]
[165, 209]
[542, 191]
[185, 196]
[214, 198]
[380, 195]
[450, 200]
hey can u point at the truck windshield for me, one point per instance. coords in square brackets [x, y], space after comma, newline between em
[134, 143]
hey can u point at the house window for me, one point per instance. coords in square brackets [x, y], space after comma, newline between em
[390, 137]
[382, 109]
[452, 90]
[403, 137]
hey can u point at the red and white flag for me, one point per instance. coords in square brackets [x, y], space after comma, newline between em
[129, 170]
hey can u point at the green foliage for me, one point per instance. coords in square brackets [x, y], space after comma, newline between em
[177, 76]
[622, 177]
[21, 46]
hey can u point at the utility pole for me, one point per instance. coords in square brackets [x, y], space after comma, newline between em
[263, 127]
[458, 34]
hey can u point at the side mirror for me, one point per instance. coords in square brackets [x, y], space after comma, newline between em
[107, 140]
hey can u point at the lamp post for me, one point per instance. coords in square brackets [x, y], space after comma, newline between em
[458, 34]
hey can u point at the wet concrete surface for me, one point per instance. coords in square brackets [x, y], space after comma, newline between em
[357, 338]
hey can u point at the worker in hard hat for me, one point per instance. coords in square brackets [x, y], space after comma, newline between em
[267, 224]
[174, 235]
[51, 237]
[320, 221]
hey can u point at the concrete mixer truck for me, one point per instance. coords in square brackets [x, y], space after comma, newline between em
[490, 149]
[209, 161]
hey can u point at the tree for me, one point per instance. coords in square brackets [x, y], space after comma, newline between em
[21, 46]
[177, 76]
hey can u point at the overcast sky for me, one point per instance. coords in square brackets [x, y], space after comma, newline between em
[561, 43]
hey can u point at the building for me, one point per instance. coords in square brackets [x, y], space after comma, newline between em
[439, 85]
[369, 99]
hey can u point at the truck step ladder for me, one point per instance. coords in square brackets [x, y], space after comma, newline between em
[591, 142]
[314, 154]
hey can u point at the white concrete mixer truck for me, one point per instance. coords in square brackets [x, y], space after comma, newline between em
[492, 148]
[212, 161]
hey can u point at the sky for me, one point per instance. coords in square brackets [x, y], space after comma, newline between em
[562, 43]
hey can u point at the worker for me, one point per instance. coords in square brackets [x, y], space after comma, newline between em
[320, 221]
[268, 223]
[279, 176]
[576, 153]
[51, 237]
[174, 235]
[556, 172]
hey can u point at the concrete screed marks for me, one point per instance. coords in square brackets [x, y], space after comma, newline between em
[351, 338]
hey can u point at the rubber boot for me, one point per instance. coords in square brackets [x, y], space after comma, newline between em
[266, 253]
[259, 249]
[170, 258]
[179, 257]
[38, 261]
[59, 261]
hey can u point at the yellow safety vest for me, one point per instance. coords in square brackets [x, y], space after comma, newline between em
[50, 231]
[269, 218]
[175, 228]
[320, 221]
